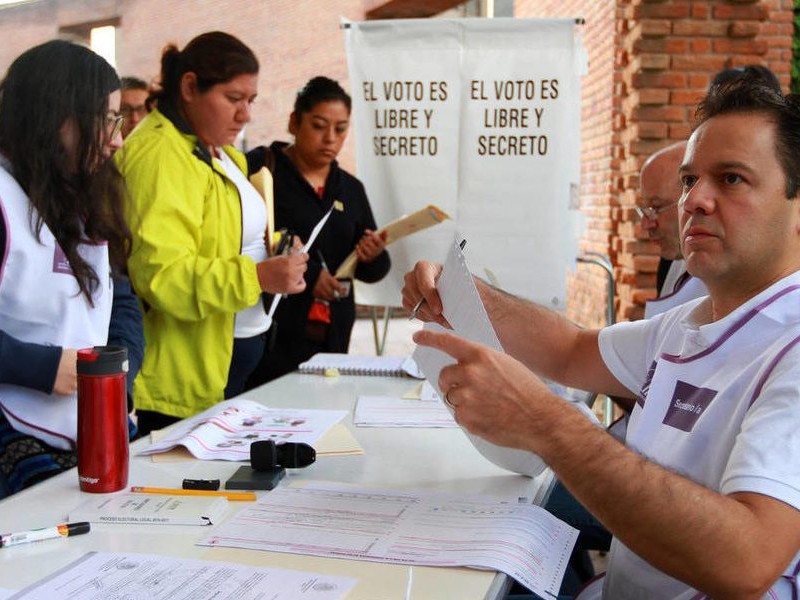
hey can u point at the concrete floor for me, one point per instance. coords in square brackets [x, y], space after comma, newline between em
[398, 337]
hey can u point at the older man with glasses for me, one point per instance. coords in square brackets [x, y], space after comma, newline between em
[660, 192]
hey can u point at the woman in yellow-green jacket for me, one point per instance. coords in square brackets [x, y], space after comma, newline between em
[199, 262]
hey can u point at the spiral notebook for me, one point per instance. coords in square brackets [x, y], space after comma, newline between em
[354, 364]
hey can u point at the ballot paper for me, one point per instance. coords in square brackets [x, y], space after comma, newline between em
[311, 239]
[226, 430]
[407, 527]
[130, 575]
[467, 316]
[387, 411]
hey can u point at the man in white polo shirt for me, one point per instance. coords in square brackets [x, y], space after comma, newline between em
[659, 193]
[704, 498]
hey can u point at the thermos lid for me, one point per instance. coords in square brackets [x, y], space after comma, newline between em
[103, 360]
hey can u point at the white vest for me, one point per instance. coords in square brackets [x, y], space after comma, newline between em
[679, 288]
[693, 408]
[40, 302]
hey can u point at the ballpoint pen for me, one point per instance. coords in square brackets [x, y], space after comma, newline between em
[421, 301]
[336, 293]
[285, 242]
[322, 261]
[46, 533]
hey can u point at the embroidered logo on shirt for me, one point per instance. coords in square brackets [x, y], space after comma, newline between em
[687, 404]
[60, 262]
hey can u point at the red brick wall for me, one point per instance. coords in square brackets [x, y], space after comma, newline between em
[670, 51]
[650, 61]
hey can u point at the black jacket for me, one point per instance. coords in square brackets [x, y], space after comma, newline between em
[299, 208]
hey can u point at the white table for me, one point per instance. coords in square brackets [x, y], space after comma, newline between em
[429, 459]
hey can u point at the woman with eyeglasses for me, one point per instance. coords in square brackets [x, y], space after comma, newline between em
[199, 259]
[62, 235]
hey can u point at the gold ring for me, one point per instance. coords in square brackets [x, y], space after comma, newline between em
[447, 399]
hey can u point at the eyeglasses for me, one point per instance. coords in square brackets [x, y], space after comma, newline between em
[129, 111]
[114, 125]
[652, 212]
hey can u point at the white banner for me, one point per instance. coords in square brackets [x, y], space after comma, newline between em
[480, 117]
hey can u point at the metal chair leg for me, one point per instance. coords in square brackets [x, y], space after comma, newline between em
[380, 338]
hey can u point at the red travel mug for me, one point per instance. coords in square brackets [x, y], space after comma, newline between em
[102, 419]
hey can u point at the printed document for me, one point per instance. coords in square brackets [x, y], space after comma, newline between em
[117, 575]
[226, 430]
[467, 316]
[386, 411]
[407, 527]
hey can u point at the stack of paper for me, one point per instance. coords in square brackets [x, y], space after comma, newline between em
[407, 527]
[116, 575]
[147, 509]
[385, 411]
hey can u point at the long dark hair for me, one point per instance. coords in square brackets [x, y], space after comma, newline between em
[215, 57]
[79, 198]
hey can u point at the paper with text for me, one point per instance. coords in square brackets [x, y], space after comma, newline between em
[467, 316]
[226, 430]
[387, 411]
[408, 527]
[129, 575]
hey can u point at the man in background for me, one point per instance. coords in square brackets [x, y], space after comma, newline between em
[660, 191]
[133, 105]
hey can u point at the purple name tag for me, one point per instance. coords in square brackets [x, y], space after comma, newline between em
[60, 262]
[687, 404]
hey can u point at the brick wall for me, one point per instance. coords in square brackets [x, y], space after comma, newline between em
[670, 51]
[650, 61]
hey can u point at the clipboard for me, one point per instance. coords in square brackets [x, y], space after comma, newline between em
[399, 228]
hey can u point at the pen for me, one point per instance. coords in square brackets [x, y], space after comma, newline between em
[336, 293]
[322, 261]
[181, 492]
[285, 242]
[418, 305]
[46, 533]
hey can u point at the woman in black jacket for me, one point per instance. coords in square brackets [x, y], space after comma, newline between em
[307, 183]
